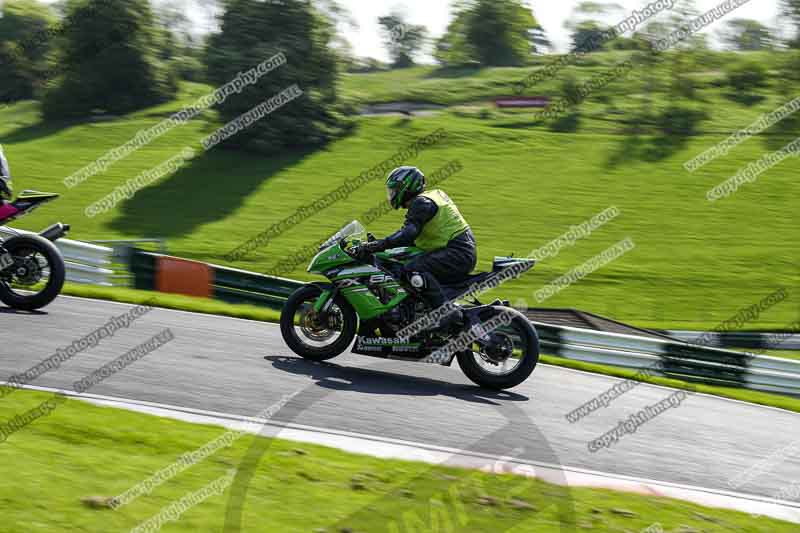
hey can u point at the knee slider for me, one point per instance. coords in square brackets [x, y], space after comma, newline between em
[417, 280]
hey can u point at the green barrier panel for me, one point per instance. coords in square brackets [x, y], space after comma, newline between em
[143, 268]
[548, 333]
[722, 378]
[257, 283]
[234, 296]
[714, 355]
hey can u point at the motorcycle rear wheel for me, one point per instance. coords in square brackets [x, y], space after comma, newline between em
[489, 371]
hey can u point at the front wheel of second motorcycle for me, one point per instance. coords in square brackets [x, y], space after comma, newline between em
[37, 275]
[316, 337]
[509, 357]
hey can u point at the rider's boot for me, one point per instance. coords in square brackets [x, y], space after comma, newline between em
[452, 323]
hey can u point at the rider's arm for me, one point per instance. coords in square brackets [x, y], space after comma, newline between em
[419, 213]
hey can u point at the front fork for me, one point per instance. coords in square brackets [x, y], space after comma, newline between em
[325, 301]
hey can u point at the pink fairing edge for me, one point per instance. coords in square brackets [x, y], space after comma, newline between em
[7, 211]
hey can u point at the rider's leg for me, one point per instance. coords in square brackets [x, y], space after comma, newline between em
[421, 273]
[430, 290]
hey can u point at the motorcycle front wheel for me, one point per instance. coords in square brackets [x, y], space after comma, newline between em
[37, 275]
[312, 336]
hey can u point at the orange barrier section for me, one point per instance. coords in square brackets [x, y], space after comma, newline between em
[181, 276]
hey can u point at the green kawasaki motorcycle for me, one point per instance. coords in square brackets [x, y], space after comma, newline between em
[497, 347]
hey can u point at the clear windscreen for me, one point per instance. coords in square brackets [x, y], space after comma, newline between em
[352, 231]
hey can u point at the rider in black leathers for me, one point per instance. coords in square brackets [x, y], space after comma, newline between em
[434, 224]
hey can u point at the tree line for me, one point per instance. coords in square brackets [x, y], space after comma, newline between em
[81, 57]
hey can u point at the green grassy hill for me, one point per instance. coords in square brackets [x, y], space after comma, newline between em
[521, 186]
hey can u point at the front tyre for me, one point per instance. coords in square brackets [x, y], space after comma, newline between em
[37, 275]
[314, 337]
[510, 356]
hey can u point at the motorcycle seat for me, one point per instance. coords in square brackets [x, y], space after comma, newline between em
[454, 289]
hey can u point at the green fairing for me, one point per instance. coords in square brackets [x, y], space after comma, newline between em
[329, 259]
[365, 303]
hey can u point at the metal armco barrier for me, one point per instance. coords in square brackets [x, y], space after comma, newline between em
[675, 359]
[735, 339]
[86, 263]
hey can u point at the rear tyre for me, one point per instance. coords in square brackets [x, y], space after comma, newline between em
[518, 338]
[311, 336]
[37, 276]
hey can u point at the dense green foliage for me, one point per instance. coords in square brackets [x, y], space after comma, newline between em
[792, 9]
[747, 35]
[24, 43]
[747, 76]
[489, 32]
[109, 60]
[587, 32]
[253, 31]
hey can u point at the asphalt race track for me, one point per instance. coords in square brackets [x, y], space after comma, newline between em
[242, 367]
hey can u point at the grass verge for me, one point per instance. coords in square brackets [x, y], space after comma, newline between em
[65, 466]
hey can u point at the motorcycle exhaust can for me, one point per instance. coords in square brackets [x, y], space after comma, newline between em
[55, 232]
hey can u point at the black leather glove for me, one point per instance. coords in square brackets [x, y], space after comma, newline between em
[365, 250]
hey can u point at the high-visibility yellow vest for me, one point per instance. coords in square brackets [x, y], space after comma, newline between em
[444, 226]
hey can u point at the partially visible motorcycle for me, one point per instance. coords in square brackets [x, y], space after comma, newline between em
[32, 270]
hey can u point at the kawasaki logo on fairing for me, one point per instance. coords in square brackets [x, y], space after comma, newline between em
[383, 341]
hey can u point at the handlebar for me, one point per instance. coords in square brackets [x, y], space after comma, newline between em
[388, 266]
